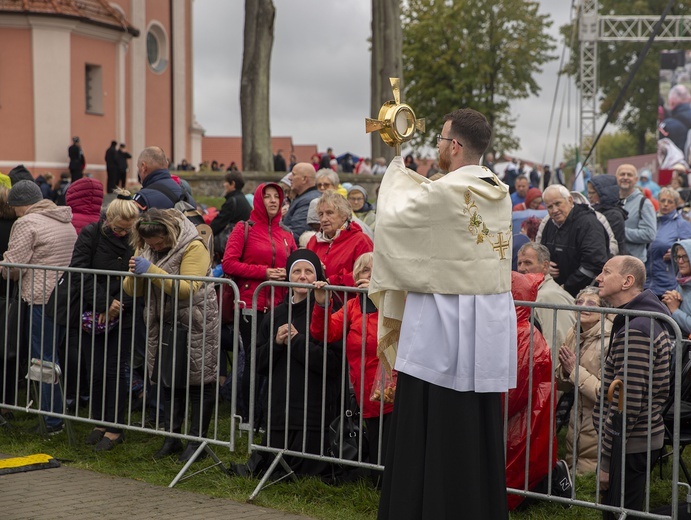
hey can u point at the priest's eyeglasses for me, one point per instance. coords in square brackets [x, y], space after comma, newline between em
[442, 138]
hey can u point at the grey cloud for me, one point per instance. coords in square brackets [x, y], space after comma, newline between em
[320, 74]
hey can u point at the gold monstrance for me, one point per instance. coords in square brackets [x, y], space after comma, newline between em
[396, 123]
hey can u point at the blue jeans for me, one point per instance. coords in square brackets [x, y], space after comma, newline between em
[42, 328]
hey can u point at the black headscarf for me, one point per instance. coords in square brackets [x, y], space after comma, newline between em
[309, 256]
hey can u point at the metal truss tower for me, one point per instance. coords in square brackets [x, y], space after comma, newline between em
[594, 28]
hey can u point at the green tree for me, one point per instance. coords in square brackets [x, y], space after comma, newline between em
[621, 144]
[637, 115]
[465, 53]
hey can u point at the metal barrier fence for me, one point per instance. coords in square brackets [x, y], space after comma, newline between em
[308, 390]
[680, 379]
[114, 366]
[286, 439]
[299, 388]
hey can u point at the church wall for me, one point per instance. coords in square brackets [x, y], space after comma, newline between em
[16, 99]
[136, 100]
[95, 130]
[189, 108]
[126, 7]
[158, 85]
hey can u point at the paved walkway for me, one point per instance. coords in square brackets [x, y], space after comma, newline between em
[64, 492]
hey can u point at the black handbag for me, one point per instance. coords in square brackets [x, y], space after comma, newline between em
[173, 355]
[563, 414]
[66, 296]
[348, 426]
[221, 239]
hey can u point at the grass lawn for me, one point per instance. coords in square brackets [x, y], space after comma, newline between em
[309, 497]
[216, 202]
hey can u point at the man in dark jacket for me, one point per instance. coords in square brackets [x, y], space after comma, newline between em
[112, 166]
[77, 159]
[303, 183]
[577, 242]
[546, 176]
[159, 190]
[603, 194]
[123, 156]
[279, 162]
[640, 354]
[236, 207]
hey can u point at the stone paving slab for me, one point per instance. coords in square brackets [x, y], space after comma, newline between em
[65, 492]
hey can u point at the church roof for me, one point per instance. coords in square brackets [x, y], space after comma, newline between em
[95, 12]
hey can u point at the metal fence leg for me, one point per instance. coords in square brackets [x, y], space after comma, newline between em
[267, 475]
[204, 446]
[35, 391]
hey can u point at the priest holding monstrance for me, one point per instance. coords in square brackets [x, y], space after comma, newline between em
[447, 323]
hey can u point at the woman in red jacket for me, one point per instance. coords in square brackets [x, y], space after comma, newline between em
[339, 242]
[353, 312]
[256, 258]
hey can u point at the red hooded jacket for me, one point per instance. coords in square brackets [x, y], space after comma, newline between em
[268, 246]
[85, 197]
[353, 313]
[524, 287]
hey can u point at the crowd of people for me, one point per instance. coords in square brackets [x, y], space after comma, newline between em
[621, 247]
[312, 230]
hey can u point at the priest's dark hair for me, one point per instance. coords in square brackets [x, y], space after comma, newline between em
[471, 129]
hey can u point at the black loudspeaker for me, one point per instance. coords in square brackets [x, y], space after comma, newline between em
[671, 60]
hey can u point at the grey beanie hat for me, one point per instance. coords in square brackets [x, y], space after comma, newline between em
[359, 188]
[24, 193]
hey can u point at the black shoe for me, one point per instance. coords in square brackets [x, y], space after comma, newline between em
[562, 485]
[106, 444]
[169, 447]
[189, 451]
[95, 436]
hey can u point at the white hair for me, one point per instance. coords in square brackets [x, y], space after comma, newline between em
[679, 93]
[563, 191]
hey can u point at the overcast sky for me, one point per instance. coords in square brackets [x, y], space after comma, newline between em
[320, 80]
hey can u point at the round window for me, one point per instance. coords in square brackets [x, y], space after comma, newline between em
[156, 48]
[152, 49]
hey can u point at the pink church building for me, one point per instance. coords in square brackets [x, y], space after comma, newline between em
[103, 71]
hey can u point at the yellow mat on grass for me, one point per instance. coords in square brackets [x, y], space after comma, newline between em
[28, 463]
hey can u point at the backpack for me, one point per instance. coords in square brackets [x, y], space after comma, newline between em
[221, 239]
[183, 205]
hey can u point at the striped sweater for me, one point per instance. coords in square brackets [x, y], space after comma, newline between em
[633, 367]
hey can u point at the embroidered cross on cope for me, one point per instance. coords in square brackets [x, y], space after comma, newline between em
[501, 245]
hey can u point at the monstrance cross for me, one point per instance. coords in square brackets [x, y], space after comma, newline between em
[396, 123]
